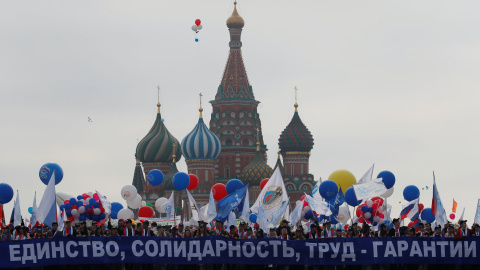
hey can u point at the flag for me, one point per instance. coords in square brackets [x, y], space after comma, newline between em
[13, 213]
[406, 209]
[414, 213]
[272, 195]
[60, 221]
[370, 189]
[477, 213]
[244, 211]
[231, 202]
[343, 214]
[337, 201]
[315, 190]
[196, 213]
[210, 209]
[277, 215]
[454, 208]
[287, 212]
[319, 206]
[463, 212]
[33, 219]
[437, 207]
[262, 219]
[2, 217]
[296, 213]
[169, 207]
[232, 220]
[105, 203]
[17, 215]
[367, 177]
[47, 210]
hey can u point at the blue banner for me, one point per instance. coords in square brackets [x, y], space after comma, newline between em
[220, 250]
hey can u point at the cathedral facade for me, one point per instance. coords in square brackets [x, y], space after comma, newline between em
[231, 147]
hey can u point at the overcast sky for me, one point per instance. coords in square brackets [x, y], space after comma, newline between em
[395, 83]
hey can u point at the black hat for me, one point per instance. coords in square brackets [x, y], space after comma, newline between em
[451, 226]
[232, 227]
[146, 222]
[174, 229]
[462, 221]
[412, 229]
[160, 226]
[55, 223]
[339, 230]
[129, 221]
[218, 220]
[249, 229]
[272, 229]
[243, 223]
[438, 227]
[94, 223]
[383, 225]
[285, 221]
[313, 225]
[327, 222]
[83, 222]
[395, 220]
[350, 229]
[66, 221]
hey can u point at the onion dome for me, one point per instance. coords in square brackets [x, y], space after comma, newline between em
[157, 146]
[235, 21]
[257, 169]
[201, 143]
[168, 181]
[296, 137]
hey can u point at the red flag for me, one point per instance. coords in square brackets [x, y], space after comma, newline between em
[454, 209]
[2, 217]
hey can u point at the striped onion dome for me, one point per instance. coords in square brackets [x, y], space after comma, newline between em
[201, 143]
[296, 137]
[256, 170]
[157, 146]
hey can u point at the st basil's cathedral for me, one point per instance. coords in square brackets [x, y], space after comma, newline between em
[231, 147]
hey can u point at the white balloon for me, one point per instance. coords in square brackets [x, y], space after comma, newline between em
[97, 211]
[90, 194]
[369, 203]
[135, 203]
[194, 28]
[368, 215]
[75, 213]
[144, 203]
[129, 192]
[158, 204]
[380, 209]
[81, 209]
[306, 208]
[125, 213]
[388, 193]
[199, 27]
[376, 219]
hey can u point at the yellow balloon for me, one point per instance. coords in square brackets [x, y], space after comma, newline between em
[343, 178]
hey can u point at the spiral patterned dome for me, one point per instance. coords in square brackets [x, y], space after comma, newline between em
[157, 145]
[256, 170]
[296, 137]
[201, 143]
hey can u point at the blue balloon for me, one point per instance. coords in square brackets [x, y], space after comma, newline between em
[73, 201]
[411, 193]
[68, 206]
[196, 40]
[328, 189]
[88, 206]
[155, 177]
[102, 216]
[62, 207]
[6, 193]
[30, 210]
[47, 170]
[116, 206]
[181, 181]
[91, 200]
[69, 213]
[79, 197]
[364, 208]
[253, 218]
[387, 178]
[427, 215]
[96, 218]
[96, 205]
[351, 198]
[114, 215]
[309, 214]
[79, 203]
[233, 185]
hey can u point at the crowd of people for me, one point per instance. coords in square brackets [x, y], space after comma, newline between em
[126, 228]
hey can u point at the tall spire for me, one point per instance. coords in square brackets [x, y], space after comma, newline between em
[258, 139]
[200, 109]
[174, 150]
[296, 104]
[158, 99]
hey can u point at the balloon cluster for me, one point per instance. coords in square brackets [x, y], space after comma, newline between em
[196, 28]
[220, 191]
[371, 211]
[85, 207]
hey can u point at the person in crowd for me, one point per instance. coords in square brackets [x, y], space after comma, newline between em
[38, 232]
[395, 231]
[6, 235]
[272, 233]
[202, 231]
[350, 232]
[313, 234]
[128, 230]
[233, 233]
[241, 230]
[218, 229]
[284, 234]
[83, 230]
[365, 231]
[339, 233]
[421, 230]
[181, 228]
[68, 231]
[445, 228]
[54, 231]
[249, 234]
[139, 228]
[98, 232]
[161, 231]
[463, 231]
[411, 232]
[383, 231]
[283, 224]
[146, 231]
[22, 234]
[113, 232]
[259, 234]
[438, 231]
[328, 231]
[175, 233]
[428, 229]
[188, 233]
[451, 231]
[121, 226]
[298, 234]
[93, 228]
[105, 232]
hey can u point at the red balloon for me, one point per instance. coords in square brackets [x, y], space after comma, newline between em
[198, 22]
[146, 212]
[359, 212]
[193, 182]
[89, 211]
[66, 201]
[360, 220]
[420, 207]
[71, 218]
[375, 206]
[264, 182]
[219, 191]
[305, 203]
[380, 215]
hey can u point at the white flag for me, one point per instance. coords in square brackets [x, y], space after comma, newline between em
[370, 189]
[60, 221]
[17, 215]
[262, 219]
[477, 213]
[367, 177]
[105, 203]
[246, 208]
[272, 195]
[33, 219]
[277, 215]
[169, 207]
[463, 212]
[211, 210]
[296, 213]
[413, 214]
[232, 219]
[196, 213]
[315, 190]
[319, 206]
[287, 212]
[47, 209]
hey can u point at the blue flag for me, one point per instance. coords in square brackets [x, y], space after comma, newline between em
[336, 202]
[231, 202]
